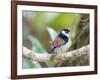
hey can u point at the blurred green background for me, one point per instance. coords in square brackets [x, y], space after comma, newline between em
[39, 28]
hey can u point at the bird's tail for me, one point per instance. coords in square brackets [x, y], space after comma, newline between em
[51, 51]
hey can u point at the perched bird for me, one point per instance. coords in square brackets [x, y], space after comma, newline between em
[61, 43]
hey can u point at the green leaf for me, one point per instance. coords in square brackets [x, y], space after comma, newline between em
[36, 44]
[39, 21]
[63, 20]
[36, 64]
[50, 63]
[28, 63]
[52, 33]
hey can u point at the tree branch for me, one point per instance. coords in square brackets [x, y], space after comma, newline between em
[45, 56]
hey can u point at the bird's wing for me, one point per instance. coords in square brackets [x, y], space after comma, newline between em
[60, 42]
[57, 42]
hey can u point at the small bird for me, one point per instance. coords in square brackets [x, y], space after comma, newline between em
[61, 43]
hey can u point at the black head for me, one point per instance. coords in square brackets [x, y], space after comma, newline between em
[66, 30]
[64, 34]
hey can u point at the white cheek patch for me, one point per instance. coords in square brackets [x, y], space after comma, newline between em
[63, 32]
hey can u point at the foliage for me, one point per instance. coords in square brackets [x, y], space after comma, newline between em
[28, 63]
[36, 45]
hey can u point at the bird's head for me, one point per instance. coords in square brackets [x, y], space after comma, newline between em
[64, 34]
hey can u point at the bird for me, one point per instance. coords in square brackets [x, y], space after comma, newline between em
[61, 43]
